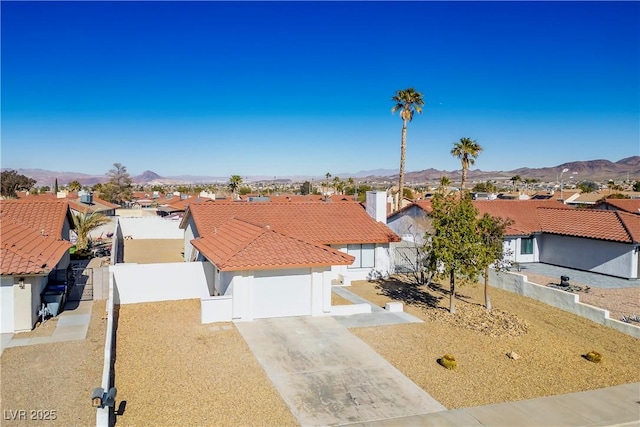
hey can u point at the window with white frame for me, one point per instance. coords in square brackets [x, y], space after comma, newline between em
[526, 246]
[364, 255]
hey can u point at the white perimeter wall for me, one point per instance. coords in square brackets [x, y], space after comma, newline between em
[159, 282]
[151, 228]
[600, 256]
[567, 301]
[6, 304]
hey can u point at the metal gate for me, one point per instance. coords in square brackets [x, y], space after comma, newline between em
[407, 259]
[81, 284]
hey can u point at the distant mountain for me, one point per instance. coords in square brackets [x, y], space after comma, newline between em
[146, 176]
[596, 170]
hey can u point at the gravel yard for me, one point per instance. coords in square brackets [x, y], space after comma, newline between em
[550, 343]
[53, 382]
[173, 371]
[619, 302]
[151, 251]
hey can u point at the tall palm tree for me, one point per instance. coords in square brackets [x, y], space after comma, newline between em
[467, 150]
[408, 102]
[83, 224]
[234, 184]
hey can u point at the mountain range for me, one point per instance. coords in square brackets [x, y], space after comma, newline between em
[596, 170]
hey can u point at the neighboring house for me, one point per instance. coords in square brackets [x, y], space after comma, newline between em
[606, 242]
[279, 259]
[625, 205]
[80, 202]
[34, 250]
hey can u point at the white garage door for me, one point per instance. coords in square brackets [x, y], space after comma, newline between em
[282, 293]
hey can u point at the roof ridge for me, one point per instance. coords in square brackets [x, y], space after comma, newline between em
[624, 225]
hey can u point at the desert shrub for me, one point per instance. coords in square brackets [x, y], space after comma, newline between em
[448, 361]
[593, 356]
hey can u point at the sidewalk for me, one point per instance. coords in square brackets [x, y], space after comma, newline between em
[612, 406]
[73, 324]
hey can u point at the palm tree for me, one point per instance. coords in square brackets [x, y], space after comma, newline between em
[83, 224]
[326, 183]
[467, 150]
[234, 183]
[408, 102]
[444, 183]
[75, 186]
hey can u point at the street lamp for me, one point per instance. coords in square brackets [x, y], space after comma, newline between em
[565, 170]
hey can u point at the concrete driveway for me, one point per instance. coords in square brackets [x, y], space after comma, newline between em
[327, 376]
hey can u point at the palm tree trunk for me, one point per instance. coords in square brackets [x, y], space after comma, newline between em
[452, 297]
[464, 178]
[403, 154]
[487, 299]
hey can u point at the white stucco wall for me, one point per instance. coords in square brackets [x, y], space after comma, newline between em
[6, 304]
[159, 282]
[600, 256]
[151, 228]
[410, 225]
[189, 234]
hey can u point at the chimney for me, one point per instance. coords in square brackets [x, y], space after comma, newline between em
[377, 205]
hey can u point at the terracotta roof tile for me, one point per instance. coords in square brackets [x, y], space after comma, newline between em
[44, 215]
[27, 251]
[316, 222]
[523, 213]
[239, 245]
[591, 223]
[627, 205]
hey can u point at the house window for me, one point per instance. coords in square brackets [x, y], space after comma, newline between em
[364, 255]
[526, 246]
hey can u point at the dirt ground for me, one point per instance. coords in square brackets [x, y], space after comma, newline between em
[53, 380]
[550, 342]
[151, 251]
[173, 371]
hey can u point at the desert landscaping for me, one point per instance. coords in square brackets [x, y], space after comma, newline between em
[206, 374]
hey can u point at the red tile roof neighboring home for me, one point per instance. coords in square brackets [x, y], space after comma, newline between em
[627, 205]
[315, 222]
[591, 223]
[523, 213]
[239, 245]
[45, 215]
[24, 250]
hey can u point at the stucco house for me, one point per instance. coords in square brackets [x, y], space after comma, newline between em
[34, 248]
[280, 259]
[626, 205]
[547, 231]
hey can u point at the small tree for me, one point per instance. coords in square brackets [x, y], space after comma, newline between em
[119, 187]
[491, 229]
[588, 186]
[83, 224]
[636, 186]
[305, 188]
[454, 245]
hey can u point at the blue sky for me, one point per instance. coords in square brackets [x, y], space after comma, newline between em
[304, 88]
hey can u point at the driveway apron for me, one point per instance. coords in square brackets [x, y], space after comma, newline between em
[328, 376]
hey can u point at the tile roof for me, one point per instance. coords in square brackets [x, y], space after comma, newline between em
[239, 245]
[26, 251]
[44, 215]
[627, 205]
[523, 213]
[316, 222]
[591, 223]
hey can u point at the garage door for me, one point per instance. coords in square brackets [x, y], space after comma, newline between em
[278, 294]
